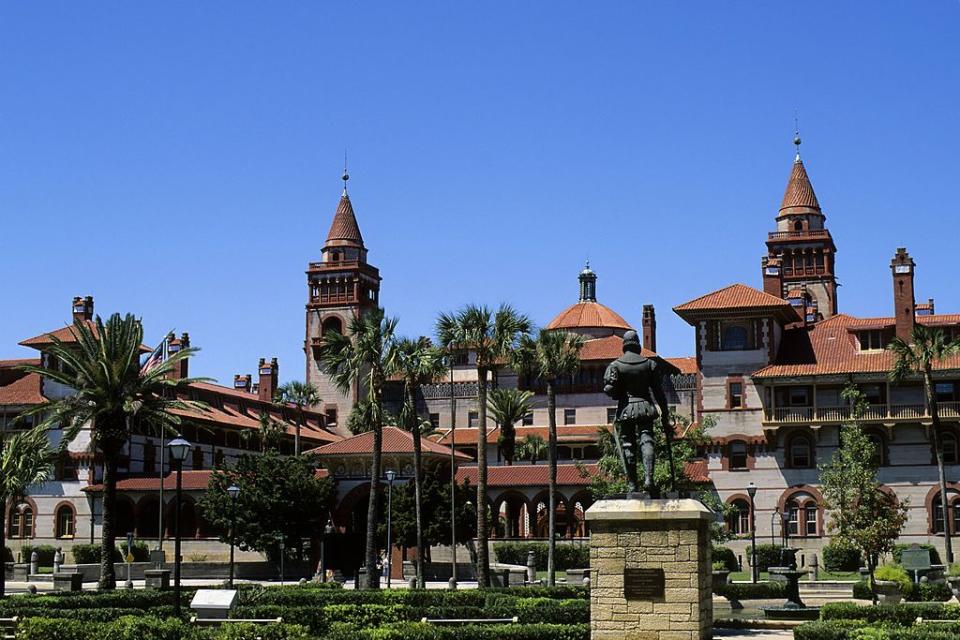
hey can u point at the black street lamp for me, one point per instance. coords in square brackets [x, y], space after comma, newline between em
[752, 492]
[453, 476]
[234, 492]
[179, 450]
[785, 529]
[391, 476]
[327, 531]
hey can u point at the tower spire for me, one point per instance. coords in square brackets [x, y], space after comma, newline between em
[588, 284]
[796, 137]
[346, 176]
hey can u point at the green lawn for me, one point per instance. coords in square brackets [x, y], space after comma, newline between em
[742, 576]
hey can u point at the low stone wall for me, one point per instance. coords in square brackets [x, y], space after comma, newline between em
[201, 570]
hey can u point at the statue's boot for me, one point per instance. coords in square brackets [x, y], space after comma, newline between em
[630, 464]
[647, 451]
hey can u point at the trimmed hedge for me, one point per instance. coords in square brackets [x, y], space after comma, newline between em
[826, 630]
[768, 555]
[856, 630]
[44, 553]
[568, 556]
[727, 557]
[923, 592]
[750, 591]
[900, 548]
[840, 558]
[149, 628]
[90, 553]
[904, 613]
[419, 631]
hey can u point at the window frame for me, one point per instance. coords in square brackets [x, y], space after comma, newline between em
[732, 456]
[569, 417]
[59, 532]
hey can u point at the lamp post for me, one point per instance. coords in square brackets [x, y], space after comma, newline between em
[179, 450]
[752, 492]
[785, 529]
[391, 476]
[327, 530]
[234, 492]
[453, 475]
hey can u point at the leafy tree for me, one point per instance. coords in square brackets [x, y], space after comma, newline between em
[111, 392]
[492, 336]
[532, 448]
[280, 498]
[270, 434]
[435, 512]
[926, 348]
[862, 516]
[299, 394]
[25, 459]
[367, 355]
[419, 363]
[552, 356]
[508, 407]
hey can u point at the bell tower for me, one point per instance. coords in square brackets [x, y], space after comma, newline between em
[339, 288]
[801, 253]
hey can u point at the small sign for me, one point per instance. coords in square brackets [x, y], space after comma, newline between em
[219, 599]
[916, 559]
[129, 558]
[643, 584]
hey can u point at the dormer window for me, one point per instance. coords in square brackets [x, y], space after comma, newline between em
[871, 339]
[737, 335]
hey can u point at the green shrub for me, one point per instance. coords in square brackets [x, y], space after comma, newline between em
[768, 555]
[90, 553]
[44, 553]
[954, 570]
[246, 631]
[838, 557]
[929, 592]
[900, 548]
[826, 630]
[894, 573]
[419, 631]
[141, 552]
[903, 614]
[568, 556]
[750, 591]
[126, 628]
[862, 591]
[727, 557]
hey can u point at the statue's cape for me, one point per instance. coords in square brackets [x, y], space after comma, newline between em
[632, 357]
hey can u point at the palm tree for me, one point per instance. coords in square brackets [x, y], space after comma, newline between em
[367, 355]
[111, 392]
[531, 448]
[926, 348]
[508, 407]
[552, 356]
[299, 394]
[493, 336]
[419, 363]
[24, 461]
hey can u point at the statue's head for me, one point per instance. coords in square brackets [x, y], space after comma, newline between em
[631, 341]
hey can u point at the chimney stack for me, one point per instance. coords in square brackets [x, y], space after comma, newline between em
[242, 382]
[649, 328]
[82, 308]
[772, 276]
[267, 387]
[904, 304]
[175, 345]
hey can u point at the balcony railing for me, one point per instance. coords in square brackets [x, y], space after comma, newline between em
[874, 412]
[808, 233]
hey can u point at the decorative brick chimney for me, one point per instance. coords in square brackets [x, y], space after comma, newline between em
[175, 345]
[82, 308]
[242, 382]
[772, 276]
[904, 304]
[649, 328]
[267, 387]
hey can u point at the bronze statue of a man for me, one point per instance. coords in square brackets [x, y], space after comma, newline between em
[635, 382]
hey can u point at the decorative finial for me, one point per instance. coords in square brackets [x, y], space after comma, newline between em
[796, 136]
[346, 176]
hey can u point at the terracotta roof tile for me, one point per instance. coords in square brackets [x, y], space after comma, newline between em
[23, 391]
[686, 364]
[565, 433]
[192, 481]
[344, 228]
[697, 470]
[568, 475]
[799, 193]
[607, 348]
[66, 335]
[395, 440]
[588, 315]
[19, 362]
[733, 298]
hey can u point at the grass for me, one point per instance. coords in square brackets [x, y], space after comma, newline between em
[744, 576]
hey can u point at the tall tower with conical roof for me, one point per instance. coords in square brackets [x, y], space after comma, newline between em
[800, 259]
[339, 287]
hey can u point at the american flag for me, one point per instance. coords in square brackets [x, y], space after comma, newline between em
[155, 358]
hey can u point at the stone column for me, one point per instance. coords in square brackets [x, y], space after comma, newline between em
[651, 570]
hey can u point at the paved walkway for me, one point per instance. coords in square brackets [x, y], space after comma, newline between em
[754, 634]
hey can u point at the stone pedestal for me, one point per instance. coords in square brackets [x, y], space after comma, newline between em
[157, 578]
[67, 581]
[651, 570]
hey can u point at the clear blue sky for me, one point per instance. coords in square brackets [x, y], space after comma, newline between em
[181, 161]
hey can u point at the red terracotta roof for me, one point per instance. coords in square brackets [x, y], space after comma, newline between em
[19, 362]
[696, 470]
[67, 336]
[344, 228]
[588, 314]
[830, 347]
[24, 391]
[799, 193]
[686, 364]
[395, 440]
[734, 298]
[607, 348]
[568, 475]
[193, 480]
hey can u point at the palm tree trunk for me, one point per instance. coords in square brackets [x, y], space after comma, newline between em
[417, 473]
[373, 576]
[552, 485]
[108, 579]
[483, 553]
[938, 452]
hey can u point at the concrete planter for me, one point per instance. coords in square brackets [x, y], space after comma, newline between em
[67, 581]
[954, 583]
[889, 592]
[157, 578]
[721, 576]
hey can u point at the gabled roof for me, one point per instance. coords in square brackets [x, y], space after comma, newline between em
[799, 196]
[67, 336]
[736, 297]
[395, 440]
[588, 314]
[344, 229]
[686, 364]
[607, 348]
[830, 348]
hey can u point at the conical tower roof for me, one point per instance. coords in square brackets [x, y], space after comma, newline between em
[799, 197]
[344, 230]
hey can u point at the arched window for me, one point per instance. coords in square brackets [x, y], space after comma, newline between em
[738, 455]
[332, 324]
[953, 508]
[950, 450]
[734, 337]
[800, 452]
[21, 522]
[66, 522]
[804, 516]
[798, 226]
[738, 520]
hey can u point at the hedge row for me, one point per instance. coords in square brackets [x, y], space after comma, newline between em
[568, 556]
[44, 553]
[923, 592]
[298, 596]
[140, 600]
[841, 558]
[727, 557]
[857, 630]
[149, 628]
[904, 614]
[90, 553]
[750, 591]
